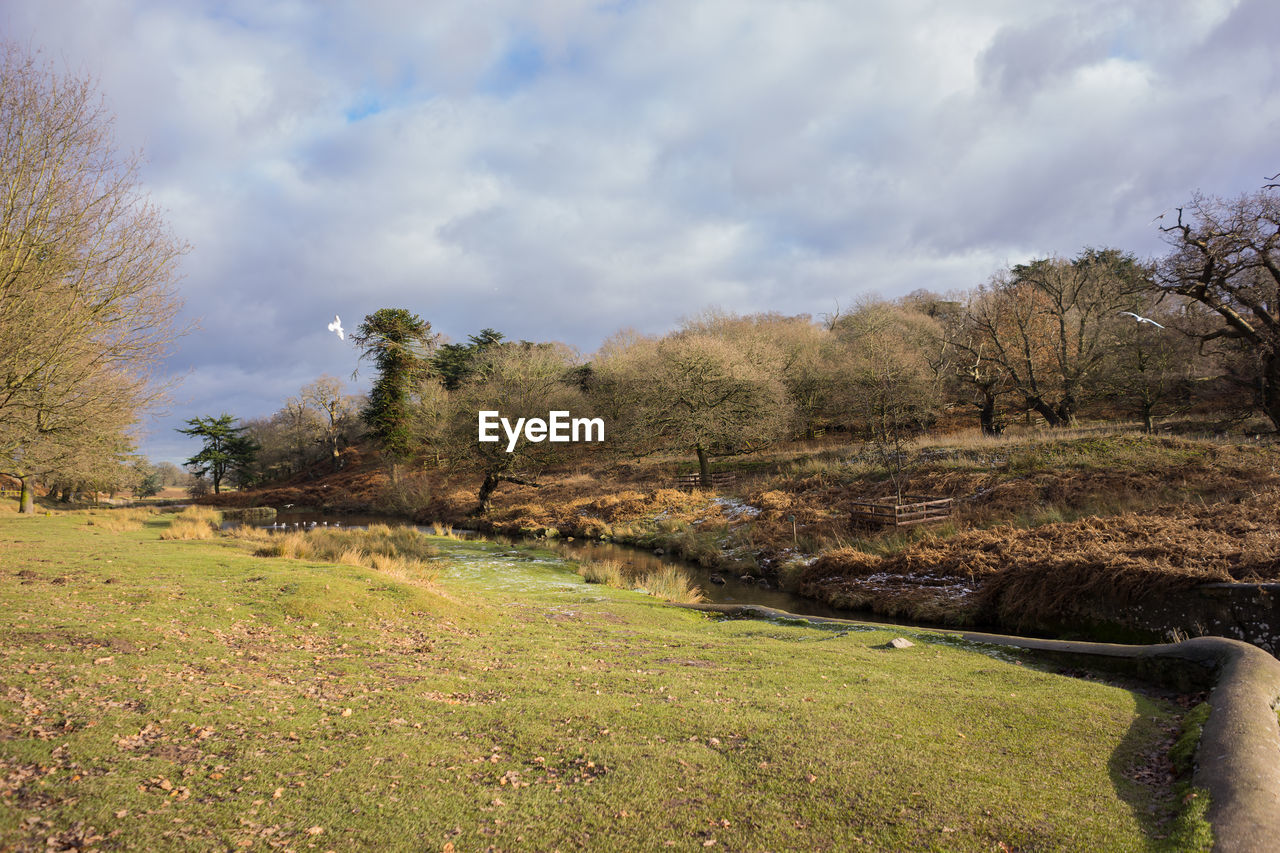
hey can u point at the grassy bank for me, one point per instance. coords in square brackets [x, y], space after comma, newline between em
[1046, 523]
[187, 694]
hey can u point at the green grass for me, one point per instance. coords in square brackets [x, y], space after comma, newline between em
[167, 694]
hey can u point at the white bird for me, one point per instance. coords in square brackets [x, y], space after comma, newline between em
[1141, 319]
[336, 326]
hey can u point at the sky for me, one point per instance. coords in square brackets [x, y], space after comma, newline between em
[563, 169]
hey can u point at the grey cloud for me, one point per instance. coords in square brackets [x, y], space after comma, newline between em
[663, 157]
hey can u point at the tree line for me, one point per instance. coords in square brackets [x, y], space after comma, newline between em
[1101, 334]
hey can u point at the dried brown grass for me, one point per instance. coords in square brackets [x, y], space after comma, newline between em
[1061, 571]
[119, 520]
[668, 583]
[194, 522]
[401, 553]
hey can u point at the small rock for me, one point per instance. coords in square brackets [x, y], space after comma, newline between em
[901, 643]
[658, 552]
[747, 579]
[716, 579]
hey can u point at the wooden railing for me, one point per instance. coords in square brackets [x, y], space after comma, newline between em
[915, 509]
[694, 481]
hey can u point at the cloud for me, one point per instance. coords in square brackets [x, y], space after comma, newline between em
[562, 169]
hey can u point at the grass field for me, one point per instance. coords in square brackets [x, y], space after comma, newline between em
[186, 694]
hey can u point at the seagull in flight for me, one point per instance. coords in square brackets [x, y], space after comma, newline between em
[1141, 319]
[336, 326]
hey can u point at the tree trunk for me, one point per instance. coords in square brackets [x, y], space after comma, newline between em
[987, 415]
[27, 499]
[485, 496]
[1066, 411]
[1046, 411]
[1269, 388]
[704, 468]
[491, 482]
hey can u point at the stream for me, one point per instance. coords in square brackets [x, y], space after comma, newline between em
[732, 591]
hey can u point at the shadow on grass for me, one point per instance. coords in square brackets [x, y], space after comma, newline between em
[1170, 812]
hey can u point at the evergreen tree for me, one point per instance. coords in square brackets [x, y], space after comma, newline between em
[400, 344]
[225, 450]
[455, 363]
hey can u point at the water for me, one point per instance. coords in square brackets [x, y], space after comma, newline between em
[519, 561]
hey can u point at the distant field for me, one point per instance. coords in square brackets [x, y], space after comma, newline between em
[184, 694]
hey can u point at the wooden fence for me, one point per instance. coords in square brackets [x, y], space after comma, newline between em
[891, 513]
[719, 479]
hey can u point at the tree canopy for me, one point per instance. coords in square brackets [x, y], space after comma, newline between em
[87, 307]
[226, 449]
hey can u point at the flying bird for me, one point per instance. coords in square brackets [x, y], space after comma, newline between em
[336, 326]
[1141, 319]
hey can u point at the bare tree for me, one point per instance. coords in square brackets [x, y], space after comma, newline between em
[703, 389]
[1226, 256]
[1049, 324]
[86, 265]
[888, 385]
[519, 381]
[1153, 367]
[337, 411]
[975, 377]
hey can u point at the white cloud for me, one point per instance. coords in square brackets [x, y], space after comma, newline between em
[560, 169]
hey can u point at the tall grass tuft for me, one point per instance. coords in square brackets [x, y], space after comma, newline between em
[607, 572]
[401, 553]
[445, 530]
[668, 583]
[194, 522]
[120, 520]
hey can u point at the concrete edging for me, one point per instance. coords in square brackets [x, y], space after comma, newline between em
[1238, 761]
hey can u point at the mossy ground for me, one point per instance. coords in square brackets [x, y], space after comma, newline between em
[169, 694]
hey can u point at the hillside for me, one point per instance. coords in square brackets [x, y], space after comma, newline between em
[1043, 522]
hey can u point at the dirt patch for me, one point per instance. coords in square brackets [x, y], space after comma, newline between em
[65, 639]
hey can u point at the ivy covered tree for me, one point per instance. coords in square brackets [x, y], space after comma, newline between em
[226, 449]
[400, 344]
